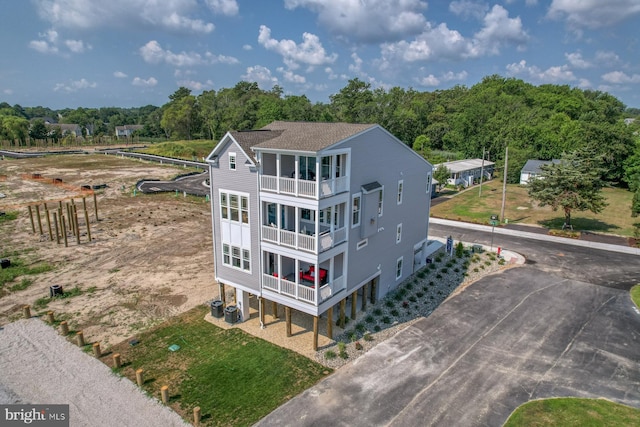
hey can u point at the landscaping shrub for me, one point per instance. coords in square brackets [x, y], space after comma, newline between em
[370, 319]
[330, 354]
[386, 320]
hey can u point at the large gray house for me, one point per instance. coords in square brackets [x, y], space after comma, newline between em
[306, 214]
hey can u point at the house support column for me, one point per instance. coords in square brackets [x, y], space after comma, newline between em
[274, 309]
[364, 297]
[287, 315]
[222, 294]
[330, 323]
[354, 304]
[242, 302]
[373, 290]
[315, 333]
[343, 303]
[261, 302]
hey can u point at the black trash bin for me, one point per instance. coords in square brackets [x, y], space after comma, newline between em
[5, 263]
[55, 290]
[216, 308]
[231, 314]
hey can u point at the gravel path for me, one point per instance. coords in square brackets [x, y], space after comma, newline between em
[39, 366]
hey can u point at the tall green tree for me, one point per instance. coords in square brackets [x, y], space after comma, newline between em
[441, 174]
[573, 184]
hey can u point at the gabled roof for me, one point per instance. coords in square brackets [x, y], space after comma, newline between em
[132, 127]
[533, 166]
[458, 166]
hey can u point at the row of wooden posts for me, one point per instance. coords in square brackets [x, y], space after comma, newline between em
[342, 312]
[63, 220]
[117, 359]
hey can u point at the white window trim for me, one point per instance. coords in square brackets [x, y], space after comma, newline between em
[240, 196]
[429, 183]
[381, 201]
[361, 244]
[241, 251]
[400, 193]
[233, 160]
[353, 197]
[399, 262]
[399, 233]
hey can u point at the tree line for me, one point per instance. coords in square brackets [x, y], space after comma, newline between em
[535, 122]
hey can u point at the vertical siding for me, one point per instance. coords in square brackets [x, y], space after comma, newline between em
[376, 156]
[241, 180]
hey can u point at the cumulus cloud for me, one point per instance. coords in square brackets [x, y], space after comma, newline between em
[553, 75]
[291, 77]
[174, 15]
[74, 86]
[119, 75]
[469, 9]
[77, 46]
[607, 57]
[195, 85]
[309, 52]
[224, 7]
[247, 47]
[576, 60]
[42, 46]
[593, 13]
[367, 21]
[50, 43]
[150, 82]
[153, 53]
[449, 76]
[499, 30]
[619, 77]
[260, 75]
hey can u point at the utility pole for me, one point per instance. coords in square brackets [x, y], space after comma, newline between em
[504, 182]
[481, 174]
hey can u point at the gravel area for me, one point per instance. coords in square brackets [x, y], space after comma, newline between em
[415, 298]
[39, 366]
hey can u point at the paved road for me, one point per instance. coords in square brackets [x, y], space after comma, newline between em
[562, 325]
[191, 184]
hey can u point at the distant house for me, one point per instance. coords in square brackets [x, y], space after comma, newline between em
[127, 131]
[68, 129]
[628, 121]
[466, 172]
[531, 169]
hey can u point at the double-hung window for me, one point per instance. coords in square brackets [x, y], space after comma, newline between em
[400, 185]
[233, 256]
[356, 202]
[232, 161]
[234, 207]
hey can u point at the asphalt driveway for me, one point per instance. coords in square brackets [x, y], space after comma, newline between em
[509, 338]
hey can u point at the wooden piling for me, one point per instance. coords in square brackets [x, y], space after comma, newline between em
[330, 323]
[341, 319]
[96, 350]
[274, 309]
[68, 216]
[50, 317]
[46, 212]
[80, 338]
[287, 315]
[354, 304]
[55, 222]
[33, 225]
[75, 222]
[60, 221]
[373, 291]
[84, 203]
[164, 393]
[315, 333]
[26, 311]
[117, 361]
[223, 296]
[140, 377]
[64, 328]
[197, 414]
[64, 232]
[86, 220]
[39, 220]
[364, 298]
[95, 205]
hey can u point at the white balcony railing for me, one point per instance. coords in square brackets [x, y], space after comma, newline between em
[302, 187]
[290, 289]
[301, 241]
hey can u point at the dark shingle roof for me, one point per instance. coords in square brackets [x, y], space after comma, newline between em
[533, 166]
[310, 136]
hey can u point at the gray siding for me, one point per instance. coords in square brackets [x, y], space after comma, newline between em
[377, 156]
[241, 180]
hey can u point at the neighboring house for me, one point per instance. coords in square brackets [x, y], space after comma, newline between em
[466, 172]
[628, 121]
[531, 169]
[68, 129]
[307, 214]
[127, 131]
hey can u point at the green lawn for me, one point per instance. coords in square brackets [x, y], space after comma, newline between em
[187, 150]
[519, 208]
[573, 412]
[635, 295]
[234, 378]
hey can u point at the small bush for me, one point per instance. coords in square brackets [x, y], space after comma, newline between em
[487, 263]
[438, 276]
[358, 345]
[352, 336]
[330, 355]
[394, 312]
[360, 327]
[397, 296]
[444, 270]
[449, 264]
[386, 320]
[367, 337]
[431, 283]
[370, 319]
[502, 261]
[476, 269]
[377, 311]
[389, 303]
[419, 294]
[456, 270]
[459, 250]
[409, 286]
[377, 328]
[412, 298]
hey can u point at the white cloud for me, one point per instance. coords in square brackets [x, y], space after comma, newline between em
[330, 74]
[247, 47]
[584, 84]
[224, 7]
[7, 91]
[593, 13]
[429, 80]
[367, 21]
[170, 15]
[153, 53]
[498, 30]
[619, 77]
[150, 82]
[77, 46]
[576, 60]
[195, 85]
[291, 77]
[469, 9]
[554, 75]
[607, 58]
[119, 75]
[74, 86]
[260, 75]
[309, 52]
[42, 46]
[449, 76]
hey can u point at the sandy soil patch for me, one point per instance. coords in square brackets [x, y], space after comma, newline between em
[149, 257]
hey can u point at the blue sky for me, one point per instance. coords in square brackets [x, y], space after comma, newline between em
[127, 53]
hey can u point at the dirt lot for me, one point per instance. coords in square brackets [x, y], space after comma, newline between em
[149, 257]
